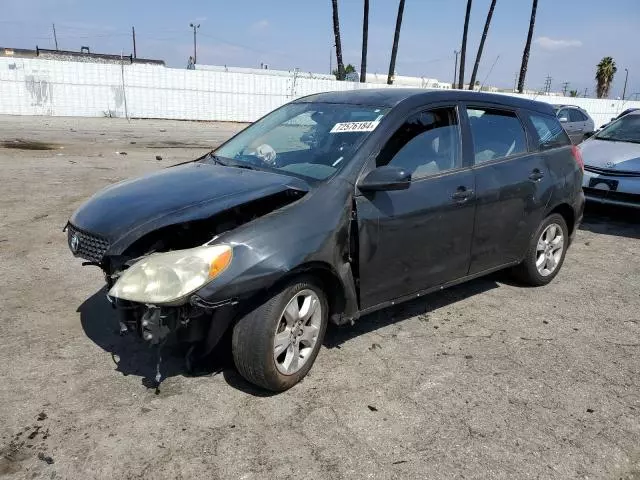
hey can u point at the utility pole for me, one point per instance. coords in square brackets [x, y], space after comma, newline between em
[330, 60]
[55, 38]
[585, 92]
[626, 77]
[547, 84]
[565, 87]
[194, 26]
[133, 31]
[455, 69]
[515, 83]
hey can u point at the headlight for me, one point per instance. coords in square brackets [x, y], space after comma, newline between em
[166, 277]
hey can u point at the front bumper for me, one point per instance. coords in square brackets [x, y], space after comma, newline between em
[612, 190]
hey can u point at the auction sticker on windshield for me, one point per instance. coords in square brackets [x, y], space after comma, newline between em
[355, 127]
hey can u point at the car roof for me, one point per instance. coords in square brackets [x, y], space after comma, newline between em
[390, 97]
[558, 107]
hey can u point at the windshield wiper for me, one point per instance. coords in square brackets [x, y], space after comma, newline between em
[215, 159]
[228, 162]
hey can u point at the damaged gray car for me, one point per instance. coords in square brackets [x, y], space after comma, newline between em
[330, 207]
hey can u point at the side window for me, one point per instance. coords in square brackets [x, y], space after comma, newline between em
[427, 143]
[563, 113]
[550, 132]
[496, 134]
[576, 115]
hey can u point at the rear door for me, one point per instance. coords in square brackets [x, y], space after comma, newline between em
[569, 124]
[512, 186]
[579, 123]
[417, 238]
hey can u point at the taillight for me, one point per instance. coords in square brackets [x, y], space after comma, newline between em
[577, 156]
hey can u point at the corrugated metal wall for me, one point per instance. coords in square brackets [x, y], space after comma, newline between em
[61, 88]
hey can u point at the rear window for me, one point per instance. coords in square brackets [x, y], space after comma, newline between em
[576, 116]
[496, 134]
[550, 132]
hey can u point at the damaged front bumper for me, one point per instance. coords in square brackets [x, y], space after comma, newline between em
[199, 328]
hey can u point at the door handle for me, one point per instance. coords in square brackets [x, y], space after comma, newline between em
[462, 194]
[536, 175]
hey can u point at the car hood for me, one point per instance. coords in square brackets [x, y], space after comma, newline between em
[130, 209]
[611, 155]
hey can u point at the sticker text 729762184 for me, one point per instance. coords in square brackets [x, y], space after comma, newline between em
[345, 127]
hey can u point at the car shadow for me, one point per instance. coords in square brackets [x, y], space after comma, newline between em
[336, 336]
[611, 220]
[133, 356]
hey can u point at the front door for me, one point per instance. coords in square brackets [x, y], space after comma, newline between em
[417, 238]
[512, 187]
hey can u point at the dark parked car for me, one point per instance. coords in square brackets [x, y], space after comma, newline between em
[330, 207]
[620, 115]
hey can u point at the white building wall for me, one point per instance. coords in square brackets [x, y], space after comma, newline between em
[62, 88]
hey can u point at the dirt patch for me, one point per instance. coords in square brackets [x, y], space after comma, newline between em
[20, 144]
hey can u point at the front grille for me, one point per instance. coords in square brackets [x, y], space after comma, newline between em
[612, 195]
[611, 172]
[86, 245]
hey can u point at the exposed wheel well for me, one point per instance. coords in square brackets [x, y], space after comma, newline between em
[567, 213]
[329, 280]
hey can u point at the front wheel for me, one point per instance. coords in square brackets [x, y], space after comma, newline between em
[546, 253]
[275, 344]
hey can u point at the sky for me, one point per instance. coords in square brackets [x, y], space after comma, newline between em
[570, 37]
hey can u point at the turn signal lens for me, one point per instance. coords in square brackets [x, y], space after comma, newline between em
[220, 263]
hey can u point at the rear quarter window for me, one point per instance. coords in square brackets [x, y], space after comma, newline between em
[550, 133]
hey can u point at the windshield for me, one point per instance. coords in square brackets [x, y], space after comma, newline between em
[625, 129]
[311, 140]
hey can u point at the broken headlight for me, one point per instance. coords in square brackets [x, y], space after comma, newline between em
[167, 277]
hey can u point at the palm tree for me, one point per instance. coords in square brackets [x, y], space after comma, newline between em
[573, 93]
[463, 50]
[365, 35]
[336, 36]
[604, 76]
[527, 48]
[481, 47]
[396, 39]
[349, 68]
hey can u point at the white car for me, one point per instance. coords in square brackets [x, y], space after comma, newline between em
[612, 163]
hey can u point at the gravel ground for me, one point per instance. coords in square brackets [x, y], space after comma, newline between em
[485, 380]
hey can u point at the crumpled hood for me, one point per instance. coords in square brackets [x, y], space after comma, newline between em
[187, 192]
[622, 155]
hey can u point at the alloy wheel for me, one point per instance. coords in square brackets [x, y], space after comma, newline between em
[297, 332]
[549, 249]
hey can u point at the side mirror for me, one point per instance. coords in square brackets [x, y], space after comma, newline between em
[387, 177]
[563, 119]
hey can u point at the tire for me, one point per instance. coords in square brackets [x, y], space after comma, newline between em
[254, 335]
[528, 272]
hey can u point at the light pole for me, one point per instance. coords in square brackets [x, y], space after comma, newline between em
[626, 77]
[194, 26]
[455, 68]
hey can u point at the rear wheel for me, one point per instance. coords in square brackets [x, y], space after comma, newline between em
[275, 345]
[546, 253]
